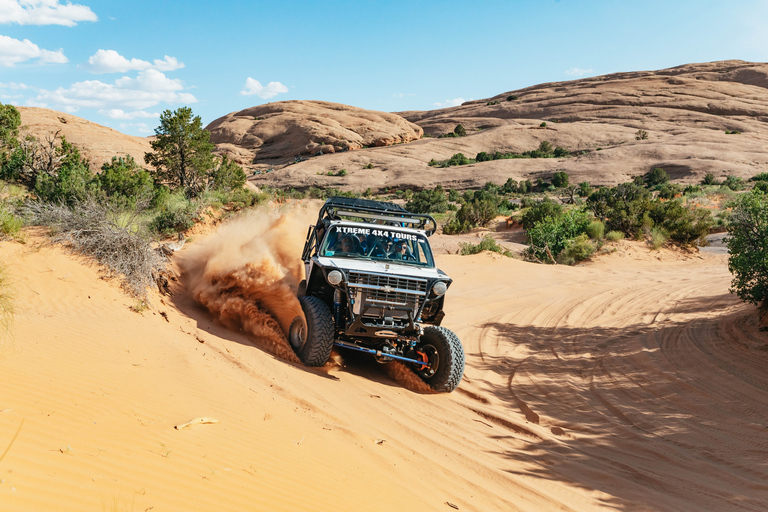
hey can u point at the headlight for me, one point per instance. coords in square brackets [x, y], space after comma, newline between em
[439, 288]
[335, 277]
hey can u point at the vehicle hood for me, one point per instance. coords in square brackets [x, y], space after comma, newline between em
[380, 267]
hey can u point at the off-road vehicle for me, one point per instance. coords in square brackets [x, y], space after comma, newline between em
[371, 285]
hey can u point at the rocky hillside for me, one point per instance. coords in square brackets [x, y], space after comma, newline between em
[685, 111]
[97, 143]
[281, 132]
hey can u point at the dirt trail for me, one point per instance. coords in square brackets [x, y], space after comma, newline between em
[636, 382]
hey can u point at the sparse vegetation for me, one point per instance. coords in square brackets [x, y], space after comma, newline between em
[486, 244]
[428, 201]
[641, 135]
[614, 236]
[747, 243]
[511, 97]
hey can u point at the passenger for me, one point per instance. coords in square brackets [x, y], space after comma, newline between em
[348, 245]
[401, 251]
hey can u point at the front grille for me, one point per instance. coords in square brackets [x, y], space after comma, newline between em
[385, 291]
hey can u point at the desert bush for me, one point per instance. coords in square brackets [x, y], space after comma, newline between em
[684, 225]
[511, 98]
[659, 237]
[709, 179]
[491, 187]
[453, 195]
[691, 190]
[342, 172]
[10, 225]
[540, 211]
[488, 243]
[123, 180]
[762, 186]
[578, 249]
[669, 190]
[428, 201]
[90, 229]
[747, 243]
[641, 135]
[457, 159]
[656, 176]
[509, 187]
[226, 176]
[621, 207]
[734, 183]
[763, 176]
[584, 189]
[543, 124]
[483, 157]
[560, 179]
[460, 131]
[369, 166]
[596, 230]
[614, 236]
[525, 187]
[554, 233]
[479, 208]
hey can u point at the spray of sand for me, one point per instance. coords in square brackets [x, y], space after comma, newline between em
[246, 274]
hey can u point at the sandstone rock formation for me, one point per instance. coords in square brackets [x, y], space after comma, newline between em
[279, 132]
[97, 143]
[686, 112]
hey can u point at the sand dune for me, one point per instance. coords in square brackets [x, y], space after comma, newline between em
[634, 382]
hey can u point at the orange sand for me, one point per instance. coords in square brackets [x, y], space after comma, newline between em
[636, 382]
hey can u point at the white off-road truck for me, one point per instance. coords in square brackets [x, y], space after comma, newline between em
[371, 285]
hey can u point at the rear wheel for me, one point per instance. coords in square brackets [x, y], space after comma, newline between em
[312, 340]
[442, 350]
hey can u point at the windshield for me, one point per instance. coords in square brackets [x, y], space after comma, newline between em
[378, 244]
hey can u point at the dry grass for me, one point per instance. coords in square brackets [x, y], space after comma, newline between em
[92, 229]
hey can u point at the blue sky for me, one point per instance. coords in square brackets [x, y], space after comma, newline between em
[121, 63]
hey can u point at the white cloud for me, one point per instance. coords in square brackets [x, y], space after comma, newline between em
[455, 102]
[150, 88]
[403, 94]
[109, 61]
[117, 113]
[578, 72]
[13, 86]
[13, 51]
[265, 92]
[136, 127]
[44, 12]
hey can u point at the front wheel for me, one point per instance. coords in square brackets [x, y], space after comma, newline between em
[442, 350]
[312, 340]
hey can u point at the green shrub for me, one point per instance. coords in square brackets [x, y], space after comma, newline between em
[173, 221]
[656, 176]
[691, 190]
[453, 195]
[560, 179]
[483, 157]
[511, 98]
[578, 249]
[457, 159]
[709, 179]
[762, 186]
[226, 176]
[369, 166]
[10, 225]
[669, 190]
[641, 135]
[763, 176]
[596, 230]
[584, 189]
[683, 224]
[734, 183]
[543, 124]
[460, 131]
[748, 247]
[614, 236]
[555, 233]
[540, 211]
[622, 207]
[428, 201]
[488, 243]
[659, 237]
[124, 180]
